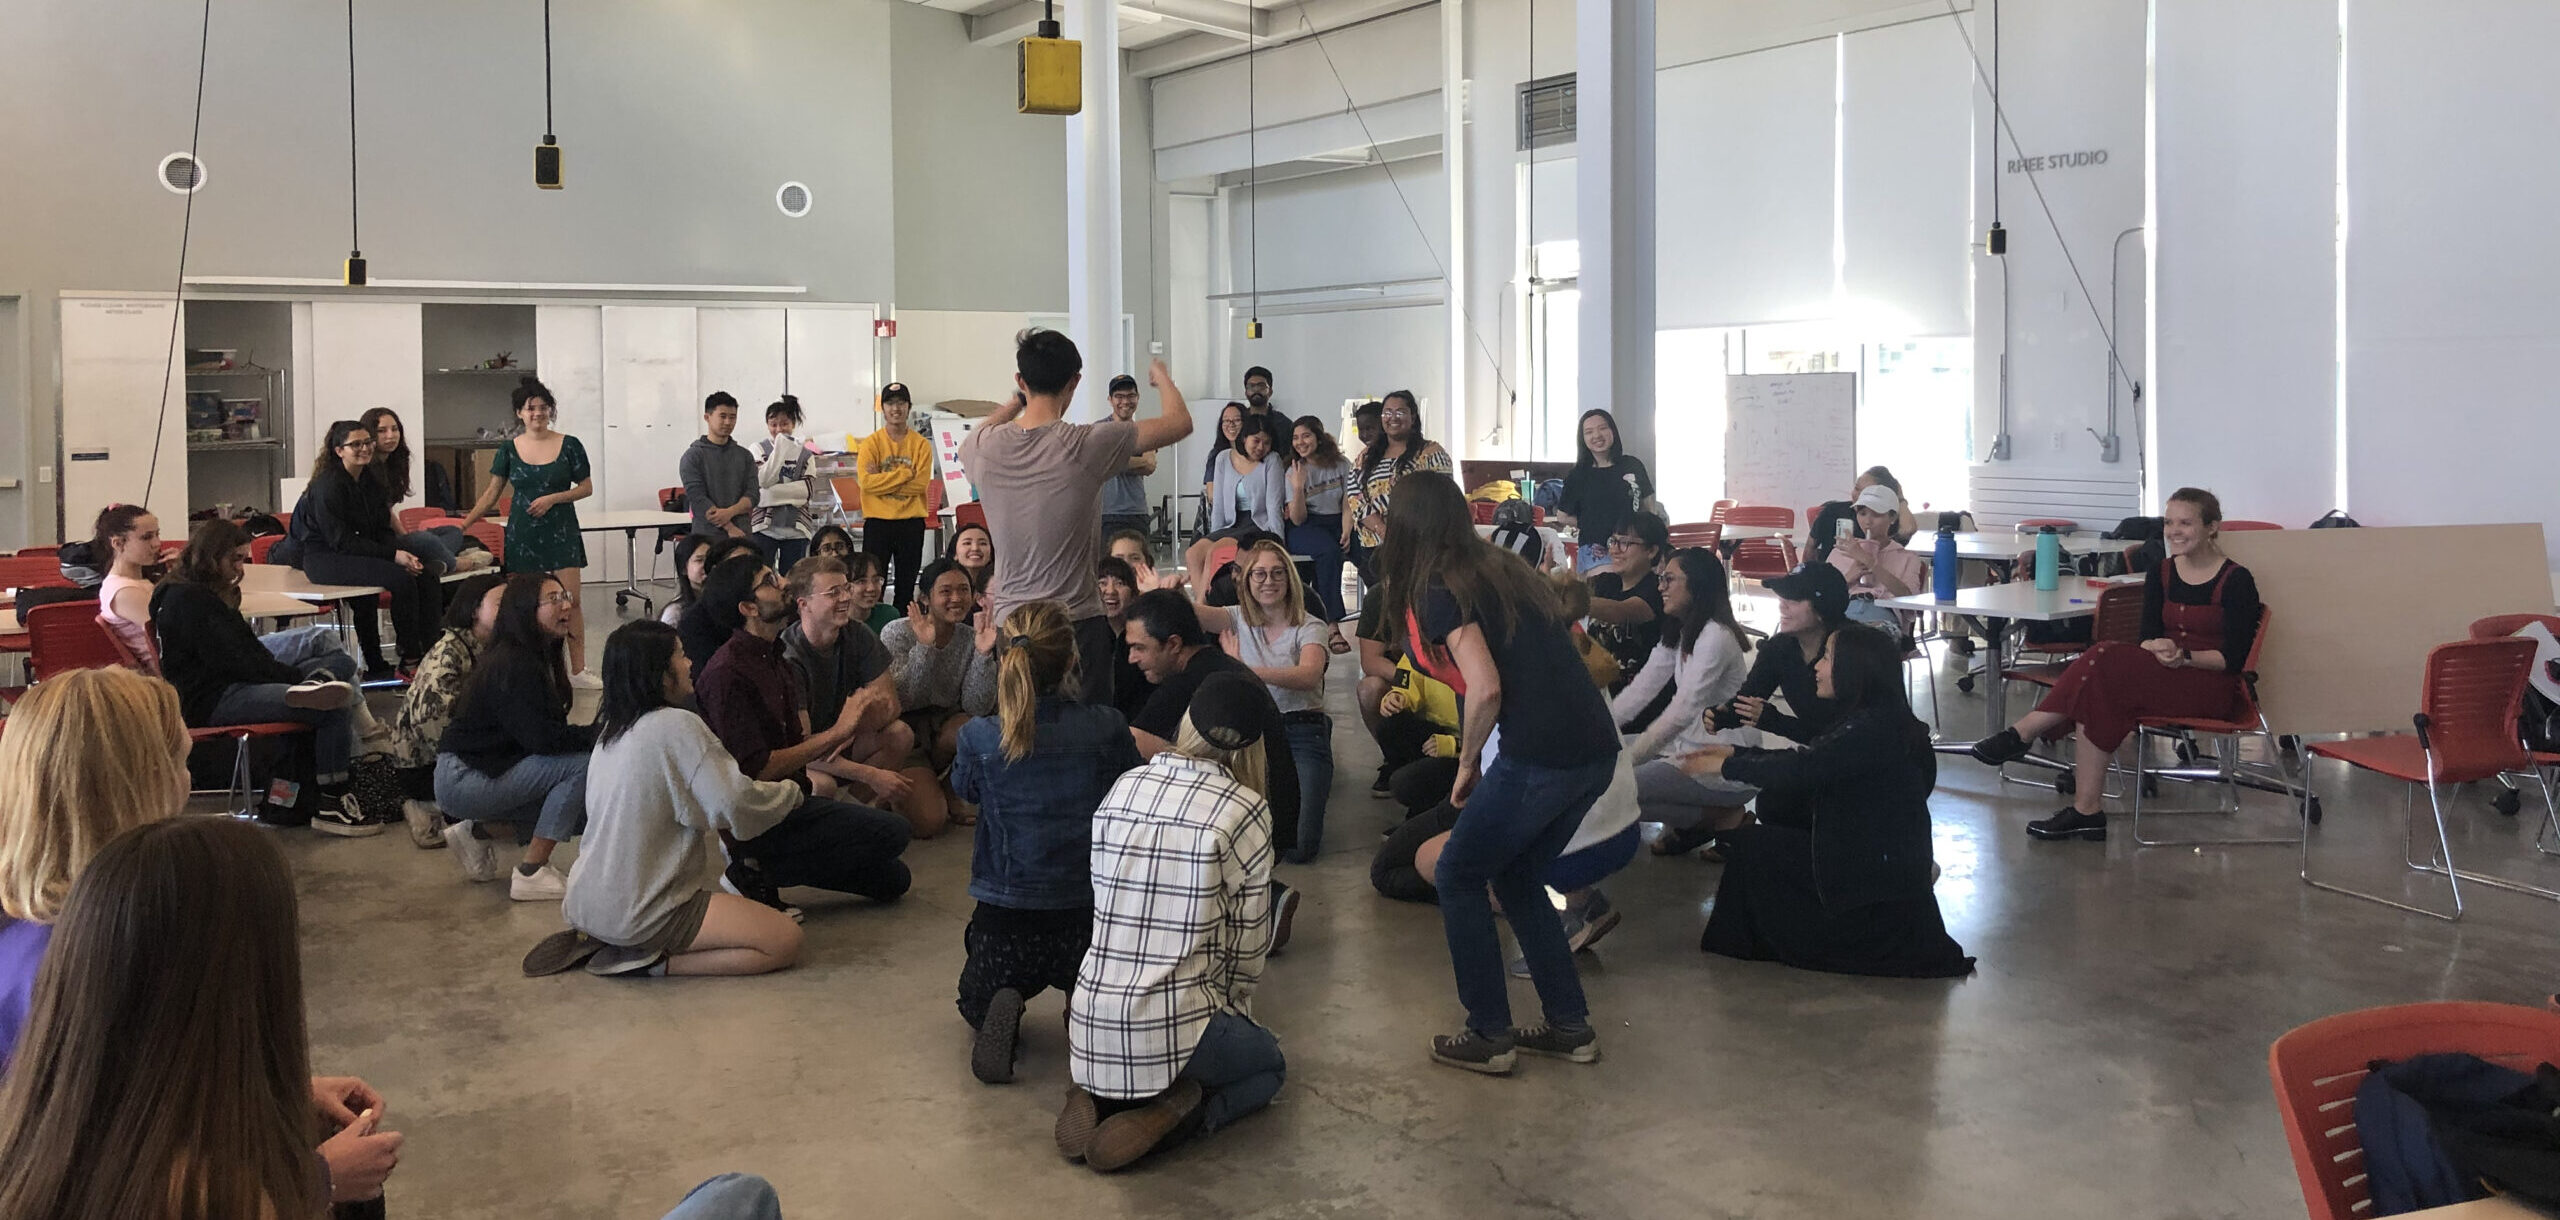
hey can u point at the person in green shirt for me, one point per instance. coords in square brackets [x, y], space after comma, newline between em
[870, 575]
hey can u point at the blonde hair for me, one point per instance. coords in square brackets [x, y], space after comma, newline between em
[1038, 654]
[1251, 609]
[1245, 764]
[1572, 593]
[88, 755]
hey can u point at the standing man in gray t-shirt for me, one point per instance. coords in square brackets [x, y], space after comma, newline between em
[719, 476]
[1040, 480]
[1124, 498]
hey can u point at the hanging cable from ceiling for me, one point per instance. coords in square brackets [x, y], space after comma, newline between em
[186, 230]
[355, 220]
[1253, 187]
[546, 155]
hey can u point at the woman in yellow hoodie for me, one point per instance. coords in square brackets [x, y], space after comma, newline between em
[895, 465]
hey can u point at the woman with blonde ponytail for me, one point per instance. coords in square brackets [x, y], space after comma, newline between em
[1036, 770]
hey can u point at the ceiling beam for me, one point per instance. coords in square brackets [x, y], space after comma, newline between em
[1279, 27]
[1224, 18]
[1011, 24]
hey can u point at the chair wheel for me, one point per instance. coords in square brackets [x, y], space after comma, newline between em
[2315, 811]
[2507, 802]
[1965, 684]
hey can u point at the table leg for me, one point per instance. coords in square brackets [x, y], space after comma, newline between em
[631, 570]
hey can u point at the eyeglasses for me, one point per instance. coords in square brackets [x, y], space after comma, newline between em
[1621, 542]
[1269, 574]
[1395, 413]
[355, 444]
[558, 599]
[842, 590]
[770, 580]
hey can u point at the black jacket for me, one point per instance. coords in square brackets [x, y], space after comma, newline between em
[206, 648]
[509, 710]
[1778, 666]
[343, 515]
[1867, 783]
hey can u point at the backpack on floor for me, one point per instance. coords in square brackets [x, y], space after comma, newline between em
[283, 776]
[373, 782]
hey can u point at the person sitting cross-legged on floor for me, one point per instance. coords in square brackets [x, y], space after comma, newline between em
[1035, 770]
[641, 897]
[510, 755]
[1161, 1034]
[426, 709]
[843, 670]
[945, 665]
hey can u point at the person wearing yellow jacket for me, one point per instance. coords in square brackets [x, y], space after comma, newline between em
[1417, 735]
[895, 466]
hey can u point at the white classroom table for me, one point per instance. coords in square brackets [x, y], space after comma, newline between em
[631, 522]
[1736, 533]
[2021, 600]
[253, 605]
[277, 578]
[1992, 544]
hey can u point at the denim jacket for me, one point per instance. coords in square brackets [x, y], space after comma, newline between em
[1035, 815]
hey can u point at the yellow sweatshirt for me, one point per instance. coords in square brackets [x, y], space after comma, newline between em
[897, 492]
[1433, 701]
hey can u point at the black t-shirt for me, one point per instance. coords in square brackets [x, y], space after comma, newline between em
[1601, 498]
[1552, 716]
[1163, 714]
[1631, 643]
[1130, 689]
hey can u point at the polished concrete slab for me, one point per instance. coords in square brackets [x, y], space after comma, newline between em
[2107, 1060]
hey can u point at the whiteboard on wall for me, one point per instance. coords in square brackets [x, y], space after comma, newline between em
[828, 364]
[1790, 439]
[651, 410]
[120, 401]
[568, 346]
[367, 354]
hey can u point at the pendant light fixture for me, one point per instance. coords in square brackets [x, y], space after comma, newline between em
[355, 244]
[546, 155]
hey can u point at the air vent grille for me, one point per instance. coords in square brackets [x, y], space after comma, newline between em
[1548, 111]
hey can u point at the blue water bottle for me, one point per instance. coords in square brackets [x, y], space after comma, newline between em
[1945, 567]
[2048, 559]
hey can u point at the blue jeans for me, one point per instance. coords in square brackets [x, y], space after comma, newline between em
[315, 651]
[1320, 539]
[544, 792]
[1865, 610]
[1239, 1067]
[1311, 745]
[1514, 826]
[437, 545]
[333, 733]
[731, 1196]
[1591, 557]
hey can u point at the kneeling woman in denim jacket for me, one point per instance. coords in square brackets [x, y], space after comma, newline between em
[1036, 770]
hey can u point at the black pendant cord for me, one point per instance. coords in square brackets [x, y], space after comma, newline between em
[186, 230]
[547, 136]
[1253, 181]
[355, 217]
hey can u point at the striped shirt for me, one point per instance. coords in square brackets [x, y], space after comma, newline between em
[1181, 921]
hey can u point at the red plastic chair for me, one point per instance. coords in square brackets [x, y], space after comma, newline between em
[1716, 514]
[971, 513]
[1708, 534]
[2250, 525]
[2497, 625]
[2470, 701]
[65, 636]
[2247, 719]
[414, 519]
[2316, 1069]
[32, 551]
[239, 735]
[259, 546]
[1763, 558]
[32, 572]
[1810, 514]
[492, 535]
[2119, 618]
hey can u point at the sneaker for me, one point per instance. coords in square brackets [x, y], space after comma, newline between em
[2066, 823]
[1379, 791]
[613, 961]
[341, 816]
[426, 824]
[2001, 748]
[326, 696]
[1597, 919]
[473, 854]
[1580, 1046]
[562, 950]
[543, 884]
[1124, 1137]
[1284, 911]
[999, 1039]
[1474, 1052]
[747, 881]
[585, 681]
[1076, 1121]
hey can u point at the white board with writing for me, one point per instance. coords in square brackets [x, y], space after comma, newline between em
[1790, 439]
[123, 423]
[948, 432]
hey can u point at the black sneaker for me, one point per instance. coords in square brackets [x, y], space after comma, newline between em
[1284, 912]
[999, 1037]
[747, 881]
[562, 950]
[1379, 791]
[2070, 823]
[2001, 748]
[1475, 1052]
[1580, 1046]
[340, 815]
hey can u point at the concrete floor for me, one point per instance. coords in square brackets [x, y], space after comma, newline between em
[2108, 1060]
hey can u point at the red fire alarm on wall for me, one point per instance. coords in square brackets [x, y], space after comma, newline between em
[884, 328]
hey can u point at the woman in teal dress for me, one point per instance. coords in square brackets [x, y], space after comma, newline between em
[547, 471]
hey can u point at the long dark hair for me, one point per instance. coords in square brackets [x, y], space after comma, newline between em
[1432, 540]
[207, 549]
[1866, 675]
[851, 548]
[1413, 444]
[1582, 459]
[527, 387]
[392, 467]
[978, 577]
[114, 522]
[1702, 574]
[1219, 443]
[462, 606]
[1328, 451]
[120, 1100]
[519, 643]
[327, 459]
[636, 659]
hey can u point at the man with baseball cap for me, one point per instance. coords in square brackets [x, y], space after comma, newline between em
[1124, 498]
[895, 467]
[1875, 565]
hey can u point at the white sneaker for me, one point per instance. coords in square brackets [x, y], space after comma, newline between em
[322, 696]
[426, 823]
[477, 857]
[544, 884]
[585, 681]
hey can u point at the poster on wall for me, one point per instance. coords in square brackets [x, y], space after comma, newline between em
[948, 432]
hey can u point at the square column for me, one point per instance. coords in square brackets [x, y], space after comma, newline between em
[1094, 300]
[1614, 172]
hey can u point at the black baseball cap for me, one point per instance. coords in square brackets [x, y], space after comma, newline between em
[1123, 382]
[1227, 710]
[896, 391]
[1818, 583]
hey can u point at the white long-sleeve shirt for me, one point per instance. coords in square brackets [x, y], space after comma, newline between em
[1703, 679]
[655, 797]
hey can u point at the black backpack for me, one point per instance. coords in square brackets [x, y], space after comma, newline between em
[2150, 530]
[2336, 519]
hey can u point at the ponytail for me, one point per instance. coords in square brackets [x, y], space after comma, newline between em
[1038, 652]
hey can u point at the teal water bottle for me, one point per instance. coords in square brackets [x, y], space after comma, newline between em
[2048, 559]
[1944, 567]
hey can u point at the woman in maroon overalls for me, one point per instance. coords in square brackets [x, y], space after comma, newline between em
[2199, 613]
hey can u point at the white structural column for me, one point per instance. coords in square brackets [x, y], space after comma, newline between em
[1453, 170]
[1093, 204]
[1615, 205]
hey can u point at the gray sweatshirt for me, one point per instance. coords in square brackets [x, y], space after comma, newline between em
[716, 476]
[955, 677]
[655, 795]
